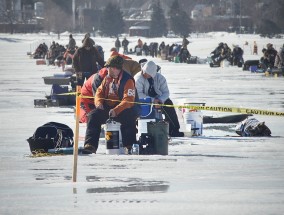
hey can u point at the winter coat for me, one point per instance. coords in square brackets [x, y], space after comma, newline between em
[117, 43]
[271, 52]
[88, 92]
[125, 42]
[237, 52]
[91, 85]
[131, 66]
[279, 60]
[121, 98]
[71, 44]
[185, 42]
[86, 60]
[140, 43]
[160, 86]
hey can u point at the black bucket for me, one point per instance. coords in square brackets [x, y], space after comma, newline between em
[159, 132]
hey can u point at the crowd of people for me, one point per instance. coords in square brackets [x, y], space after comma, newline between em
[224, 52]
[154, 49]
[115, 87]
[272, 58]
[40, 51]
[58, 54]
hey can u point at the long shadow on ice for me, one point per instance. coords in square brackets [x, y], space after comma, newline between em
[134, 185]
[10, 40]
[207, 155]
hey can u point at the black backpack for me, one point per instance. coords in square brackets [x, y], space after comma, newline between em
[51, 135]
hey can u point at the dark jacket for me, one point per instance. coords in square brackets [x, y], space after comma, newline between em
[117, 43]
[125, 42]
[86, 60]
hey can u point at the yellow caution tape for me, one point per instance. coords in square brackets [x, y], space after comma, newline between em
[236, 110]
[206, 108]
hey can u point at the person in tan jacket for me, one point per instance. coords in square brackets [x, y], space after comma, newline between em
[129, 65]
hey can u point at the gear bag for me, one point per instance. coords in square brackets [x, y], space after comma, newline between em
[51, 135]
[252, 127]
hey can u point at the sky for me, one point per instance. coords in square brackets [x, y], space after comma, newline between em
[215, 173]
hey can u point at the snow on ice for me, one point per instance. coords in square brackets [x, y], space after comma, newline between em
[217, 173]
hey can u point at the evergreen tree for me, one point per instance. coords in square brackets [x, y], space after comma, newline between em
[112, 22]
[158, 25]
[179, 20]
[280, 15]
[268, 28]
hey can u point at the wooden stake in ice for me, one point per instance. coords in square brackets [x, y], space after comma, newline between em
[76, 136]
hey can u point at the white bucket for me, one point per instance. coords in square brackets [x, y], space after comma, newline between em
[113, 138]
[195, 119]
[225, 63]
[142, 126]
[188, 128]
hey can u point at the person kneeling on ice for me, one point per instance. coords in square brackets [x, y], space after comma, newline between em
[114, 98]
[149, 83]
[88, 93]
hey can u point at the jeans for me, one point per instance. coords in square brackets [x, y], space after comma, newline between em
[171, 117]
[97, 117]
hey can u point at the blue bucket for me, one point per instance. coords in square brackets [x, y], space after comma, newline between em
[145, 108]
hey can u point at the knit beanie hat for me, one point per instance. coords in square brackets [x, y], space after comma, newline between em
[150, 68]
[115, 61]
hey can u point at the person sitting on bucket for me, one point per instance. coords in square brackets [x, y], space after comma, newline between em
[149, 83]
[114, 98]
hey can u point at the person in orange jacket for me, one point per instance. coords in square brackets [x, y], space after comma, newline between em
[115, 98]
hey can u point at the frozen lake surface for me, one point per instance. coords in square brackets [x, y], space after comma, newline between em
[217, 173]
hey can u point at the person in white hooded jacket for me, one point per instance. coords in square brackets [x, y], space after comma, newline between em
[150, 83]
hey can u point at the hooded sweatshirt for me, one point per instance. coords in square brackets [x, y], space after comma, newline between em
[160, 82]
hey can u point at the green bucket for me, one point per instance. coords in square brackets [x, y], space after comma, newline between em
[177, 60]
[160, 132]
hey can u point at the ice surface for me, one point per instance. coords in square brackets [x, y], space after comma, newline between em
[212, 174]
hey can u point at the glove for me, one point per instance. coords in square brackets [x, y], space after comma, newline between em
[112, 113]
[101, 107]
[157, 102]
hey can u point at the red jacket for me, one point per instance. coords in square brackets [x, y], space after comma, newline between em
[90, 87]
